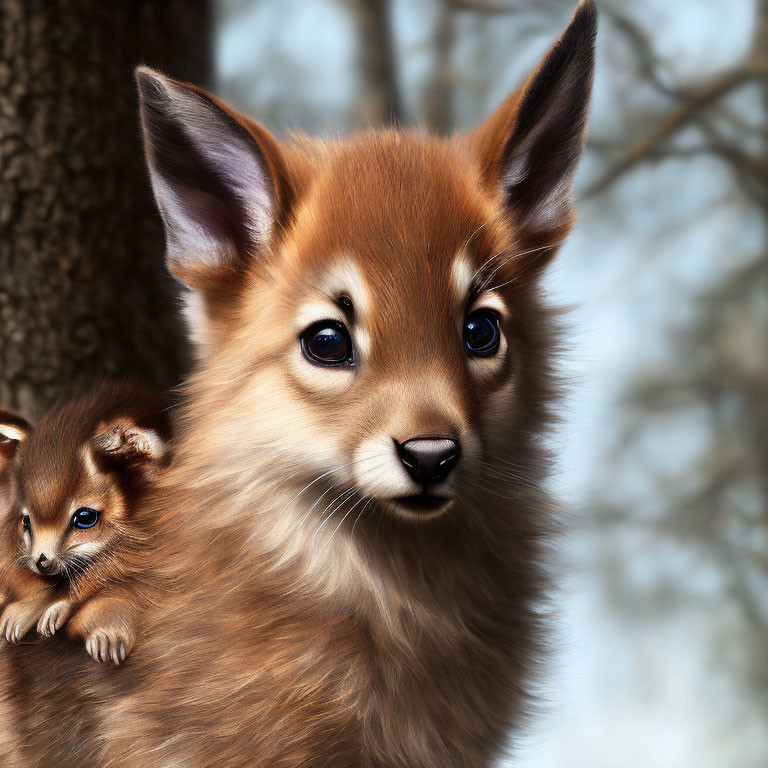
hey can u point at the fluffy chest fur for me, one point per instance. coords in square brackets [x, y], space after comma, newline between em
[408, 659]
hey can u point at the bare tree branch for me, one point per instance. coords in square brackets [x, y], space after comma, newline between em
[643, 46]
[679, 117]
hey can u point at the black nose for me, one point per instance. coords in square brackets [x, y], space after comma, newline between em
[43, 563]
[428, 459]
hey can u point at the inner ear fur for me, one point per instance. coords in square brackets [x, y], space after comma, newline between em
[220, 181]
[125, 444]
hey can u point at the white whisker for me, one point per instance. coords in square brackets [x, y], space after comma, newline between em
[486, 263]
[359, 515]
[335, 485]
[319, 499]
[486, 282]
[346, 515]
[317, 479]
[469, 239]
[347, 496]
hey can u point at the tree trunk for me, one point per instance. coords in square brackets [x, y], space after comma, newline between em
[381, 94]
[438, 99]
[83, 288]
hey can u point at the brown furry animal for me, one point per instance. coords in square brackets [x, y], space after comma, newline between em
[74, 542]
[353, 526]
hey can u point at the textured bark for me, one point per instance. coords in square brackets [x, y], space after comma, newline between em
[83, 288]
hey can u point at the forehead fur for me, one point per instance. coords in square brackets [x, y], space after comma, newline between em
[382, 216]
[403, 203]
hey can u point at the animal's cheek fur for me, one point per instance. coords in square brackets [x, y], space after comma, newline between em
[90, 540]
[87, 548]
[488, 374]
[265, 418]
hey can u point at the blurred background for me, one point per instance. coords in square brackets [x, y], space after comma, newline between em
[662, 644]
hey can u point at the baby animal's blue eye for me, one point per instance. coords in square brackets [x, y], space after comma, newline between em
[85, 517]
[481, 333]
[327, 343]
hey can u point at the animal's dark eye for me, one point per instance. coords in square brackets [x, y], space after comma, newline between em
[327, 343]
[345, 303]
[85, 517]
[26, 523]
[481, 333]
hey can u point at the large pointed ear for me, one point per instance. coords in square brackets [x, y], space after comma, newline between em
[14, 430]
[529, 148]
[218, 178]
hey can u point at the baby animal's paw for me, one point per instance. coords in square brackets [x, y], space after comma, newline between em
[109, 644]
[16, 621]
[54, 617]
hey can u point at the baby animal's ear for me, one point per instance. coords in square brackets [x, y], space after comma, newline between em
[122, 443]
[14, 430]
